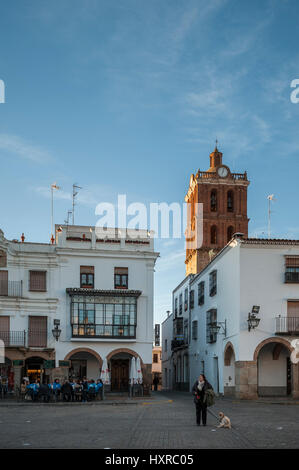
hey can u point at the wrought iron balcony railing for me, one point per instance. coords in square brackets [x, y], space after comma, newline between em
[13, 338]
[178, 343]
[291, 277]
[23, 338]
[11, 288]
[287, 325]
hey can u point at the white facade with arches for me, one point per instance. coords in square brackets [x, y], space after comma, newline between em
[236, 361]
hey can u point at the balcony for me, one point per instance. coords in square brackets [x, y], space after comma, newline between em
[287, 325]
[13, 338]
[11, 288]
[214, 175]
[24, 339]
[104, 331]
[178, 344]
[291, 277]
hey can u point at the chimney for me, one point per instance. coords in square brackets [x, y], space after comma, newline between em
[22, 238]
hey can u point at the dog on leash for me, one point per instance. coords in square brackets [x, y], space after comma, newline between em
[224, 421]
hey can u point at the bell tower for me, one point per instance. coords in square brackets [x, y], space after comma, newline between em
[223, 195]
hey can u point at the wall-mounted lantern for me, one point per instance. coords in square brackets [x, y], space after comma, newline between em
[253, 321]
[56, 330]
[216, 327]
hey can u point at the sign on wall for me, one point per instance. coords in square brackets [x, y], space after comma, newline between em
[157, 334]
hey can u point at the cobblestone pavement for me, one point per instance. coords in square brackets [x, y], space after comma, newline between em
[165, 421]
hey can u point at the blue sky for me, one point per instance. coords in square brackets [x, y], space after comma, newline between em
[127, 97]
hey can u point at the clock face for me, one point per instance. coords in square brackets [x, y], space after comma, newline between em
[222, 171]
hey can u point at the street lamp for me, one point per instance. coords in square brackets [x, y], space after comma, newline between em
[56, 331]
[253, 321]
[216, 326]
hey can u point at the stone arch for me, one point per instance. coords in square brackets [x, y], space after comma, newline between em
[42, 354]
[87, 350]
[274, 339]
[124, 350]
[228, 351]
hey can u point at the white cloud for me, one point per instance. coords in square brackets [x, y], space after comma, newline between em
[17, 146]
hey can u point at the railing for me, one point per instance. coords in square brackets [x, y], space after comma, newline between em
[103, 331]
[214, 175]
[13, 338]
[178, 343]
[11, 288]
[287, 325]
[291, 277]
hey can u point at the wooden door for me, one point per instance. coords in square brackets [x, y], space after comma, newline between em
[3, 282]
[37, 332]
[119, 375]
[5, 329]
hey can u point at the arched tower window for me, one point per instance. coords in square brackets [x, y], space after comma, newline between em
[230, 232]
[213, 235]
[214, 200]
[230, 201]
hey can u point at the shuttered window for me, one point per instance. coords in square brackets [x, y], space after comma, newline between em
[293, 308]
[38, 281]
[37, 331]
[4, 329]
[3, 282]
[3, 259]
[292, 261]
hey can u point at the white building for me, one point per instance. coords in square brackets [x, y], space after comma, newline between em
[167, 365]
[259, 362]
[100, 289]
[182, 302]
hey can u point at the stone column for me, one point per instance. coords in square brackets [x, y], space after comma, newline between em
[246, 380]
[295, 380]
[17, 370]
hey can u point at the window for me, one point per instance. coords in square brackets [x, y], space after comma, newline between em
[213, 283]
[3, 259]
[165, 345]
[109, 316]
[37, 331]
[120, 278]
[186, 330]
[230, 201]
[178, 328]
[3, 282]
[192, 298]
[211, 320]
[292, 269]
[175, 306]
[155, 358]
[186, 300]
[230, 232]
[180, 304]
[87, 277]
[213, 200]
[37, 281]
[5, 329]
[213, 235]
[201, 293]
[194, 329]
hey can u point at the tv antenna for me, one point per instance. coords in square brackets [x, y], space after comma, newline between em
[67, 220]
[75, 187]
[270, 198]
